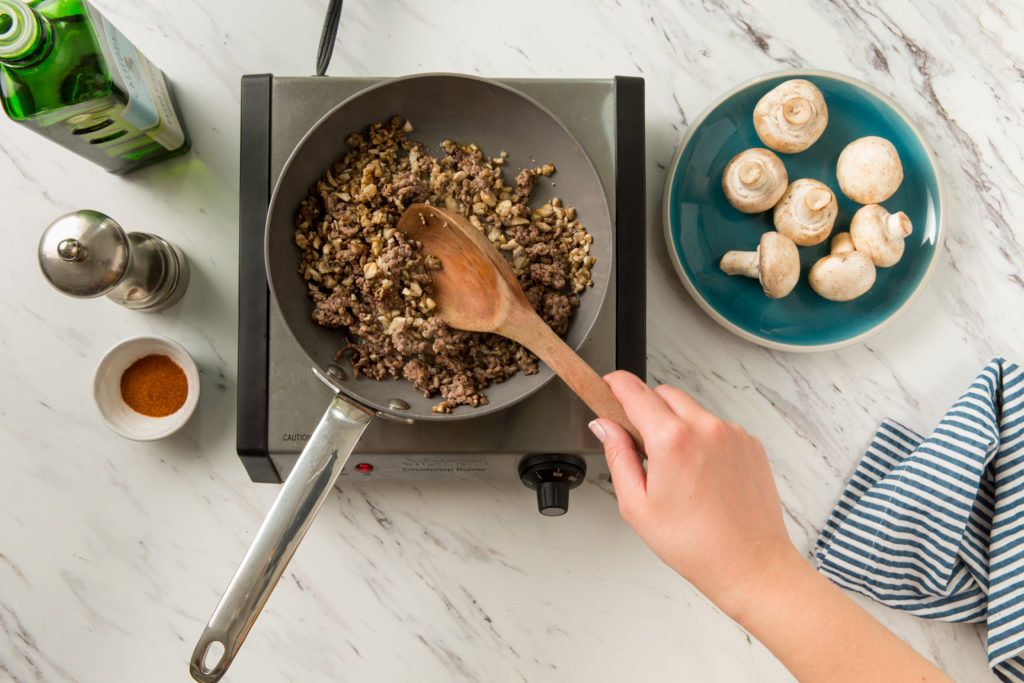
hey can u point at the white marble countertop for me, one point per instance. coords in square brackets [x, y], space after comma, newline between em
[113, 553]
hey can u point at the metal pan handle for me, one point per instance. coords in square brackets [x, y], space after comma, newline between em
[290, 516]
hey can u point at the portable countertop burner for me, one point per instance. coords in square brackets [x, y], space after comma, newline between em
[542, 440]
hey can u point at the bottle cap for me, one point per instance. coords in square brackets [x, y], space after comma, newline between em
[19, 29]
[84, 253]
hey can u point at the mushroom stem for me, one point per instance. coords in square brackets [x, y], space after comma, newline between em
[741, 263]
[842, 242]
[817, 198]
[750, 172]
[898, 225]
[797, 110]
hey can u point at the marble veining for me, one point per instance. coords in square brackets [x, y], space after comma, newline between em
[114, 553]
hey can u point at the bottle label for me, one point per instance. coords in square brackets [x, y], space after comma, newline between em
[149, 105]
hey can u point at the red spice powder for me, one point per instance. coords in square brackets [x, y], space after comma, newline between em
[154, 385]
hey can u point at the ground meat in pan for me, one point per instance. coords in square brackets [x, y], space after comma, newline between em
[372, 284]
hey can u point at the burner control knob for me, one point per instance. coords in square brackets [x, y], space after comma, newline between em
[552, 476]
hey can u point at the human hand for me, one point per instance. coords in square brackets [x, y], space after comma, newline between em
[707, 504]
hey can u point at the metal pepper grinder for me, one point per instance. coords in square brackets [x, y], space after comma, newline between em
[87, 254]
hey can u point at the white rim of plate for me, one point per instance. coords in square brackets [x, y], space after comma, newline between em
[692, 289]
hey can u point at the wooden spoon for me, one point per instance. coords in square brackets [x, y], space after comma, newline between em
[477, 291]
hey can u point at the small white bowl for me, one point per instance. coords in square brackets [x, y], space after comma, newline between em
[106, 389]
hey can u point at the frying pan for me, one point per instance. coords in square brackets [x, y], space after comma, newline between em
[439, 107]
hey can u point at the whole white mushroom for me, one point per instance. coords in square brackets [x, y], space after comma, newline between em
[775, 264]
[869, 170]
[844, 274]
[807, 212]
[791, 117]
[754, 180]
[880, 234]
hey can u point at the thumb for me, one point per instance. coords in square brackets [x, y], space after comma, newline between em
[624, 463]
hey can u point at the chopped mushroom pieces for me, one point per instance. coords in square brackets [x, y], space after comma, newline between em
[375, 286]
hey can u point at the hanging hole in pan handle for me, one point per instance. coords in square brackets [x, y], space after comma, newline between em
[211, 658]
[208, 662]
[327, 37]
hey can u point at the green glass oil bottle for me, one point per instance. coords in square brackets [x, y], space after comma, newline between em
[67, 73]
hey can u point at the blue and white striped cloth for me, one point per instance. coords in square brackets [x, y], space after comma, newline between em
[935, 526]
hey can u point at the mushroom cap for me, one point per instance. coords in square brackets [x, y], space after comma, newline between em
[807, 212]
[790, 117]
[779, 264]
[880, 234]
[869, 170]
[754, 180]
[842, 275]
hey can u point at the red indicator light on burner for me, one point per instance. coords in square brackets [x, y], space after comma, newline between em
[364, 468]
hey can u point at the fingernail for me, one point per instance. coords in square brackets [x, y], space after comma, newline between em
[598, 430]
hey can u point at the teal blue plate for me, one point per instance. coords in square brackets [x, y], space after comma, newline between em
[700, 225]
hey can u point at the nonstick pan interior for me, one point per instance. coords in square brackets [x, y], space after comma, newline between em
[439, 107]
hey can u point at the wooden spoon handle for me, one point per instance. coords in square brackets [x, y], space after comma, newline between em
[575, 372]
